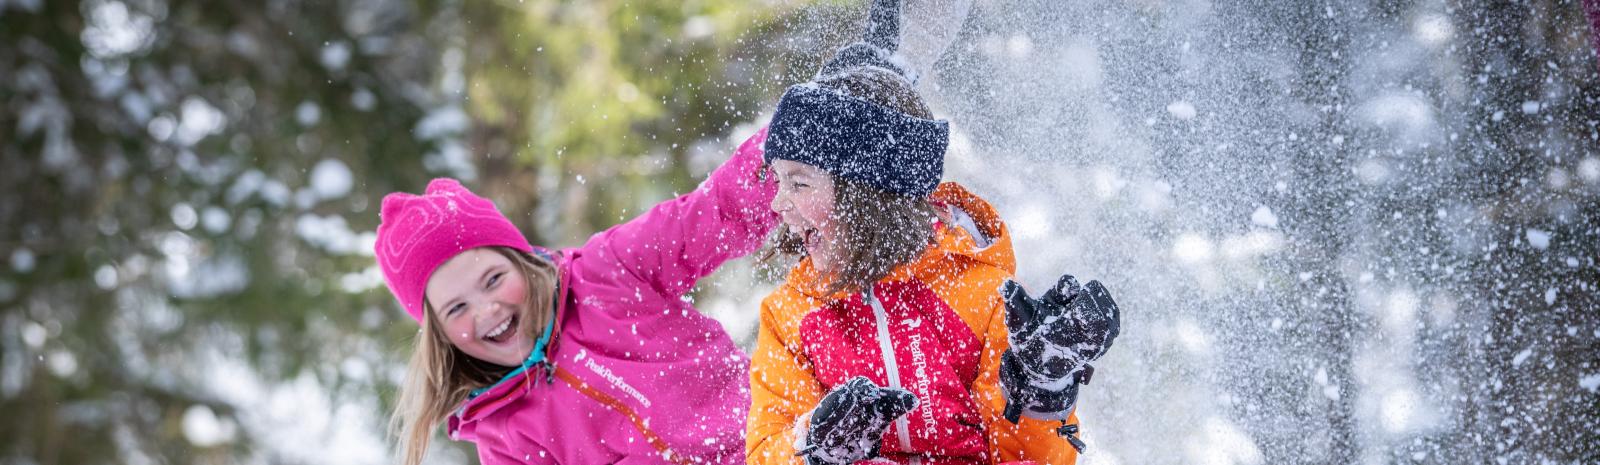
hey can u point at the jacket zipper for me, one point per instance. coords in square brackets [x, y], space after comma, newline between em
[902, 425]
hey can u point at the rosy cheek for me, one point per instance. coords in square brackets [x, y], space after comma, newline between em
[514, 290]
[458, 332]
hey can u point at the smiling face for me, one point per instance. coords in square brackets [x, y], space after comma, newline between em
[480, 299]
[805, 202]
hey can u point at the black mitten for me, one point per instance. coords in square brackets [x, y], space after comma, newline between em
[1024, 396]
[848, 425]
[877, 46]
[1053, 339]
[1079, 322]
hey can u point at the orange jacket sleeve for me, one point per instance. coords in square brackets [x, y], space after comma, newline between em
[1029, 440]
[782, 388]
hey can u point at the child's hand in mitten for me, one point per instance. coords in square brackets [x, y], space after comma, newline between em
[1053, 338]
[1027, 397]
[877, 45]
[848, 425]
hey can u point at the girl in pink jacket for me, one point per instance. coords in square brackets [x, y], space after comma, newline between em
[579, 356]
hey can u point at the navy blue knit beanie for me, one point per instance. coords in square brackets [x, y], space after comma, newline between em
[858, 140]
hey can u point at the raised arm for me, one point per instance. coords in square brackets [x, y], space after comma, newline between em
[681, 240]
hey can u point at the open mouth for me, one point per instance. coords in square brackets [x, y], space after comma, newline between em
[808, 237]
[503, 332]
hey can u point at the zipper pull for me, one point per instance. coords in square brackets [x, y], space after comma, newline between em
[1071, 433]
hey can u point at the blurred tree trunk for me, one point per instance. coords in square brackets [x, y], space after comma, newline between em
[1530, 119]
[1320, 217]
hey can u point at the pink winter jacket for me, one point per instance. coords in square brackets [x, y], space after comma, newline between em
[639, 375]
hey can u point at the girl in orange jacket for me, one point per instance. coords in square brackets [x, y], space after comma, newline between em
[885, 341]
[899, 336]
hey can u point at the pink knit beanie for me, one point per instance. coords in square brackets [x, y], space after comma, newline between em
[416, 234]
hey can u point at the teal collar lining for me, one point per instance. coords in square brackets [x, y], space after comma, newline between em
[537, 357]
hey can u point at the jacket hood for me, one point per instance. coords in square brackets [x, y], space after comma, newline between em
[969, 228]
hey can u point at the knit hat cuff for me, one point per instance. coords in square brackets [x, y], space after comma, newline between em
[417, 233]
[858, 140]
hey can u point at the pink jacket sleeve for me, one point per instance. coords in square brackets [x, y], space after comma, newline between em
[681, 240]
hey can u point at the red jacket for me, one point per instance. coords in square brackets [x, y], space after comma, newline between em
[941, 322]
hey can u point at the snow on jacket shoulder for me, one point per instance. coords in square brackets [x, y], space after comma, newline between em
[639, 375]
[945, 321]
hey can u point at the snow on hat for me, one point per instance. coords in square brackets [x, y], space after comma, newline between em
[876, 47]
[859, 140]
[417, 233]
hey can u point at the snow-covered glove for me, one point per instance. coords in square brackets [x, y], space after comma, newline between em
[1053, 339]
[848, 425]
[877, 46]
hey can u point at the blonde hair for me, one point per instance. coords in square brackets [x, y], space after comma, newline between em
[440, 377]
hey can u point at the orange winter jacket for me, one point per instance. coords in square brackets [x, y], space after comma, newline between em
[942, 321]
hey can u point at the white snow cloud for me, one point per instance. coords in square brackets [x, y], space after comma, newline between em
[1399, 407]
[1264, 217]
[1182, 109]
[1539, 239]
[1405, 113]
[1433, 29]
[1192, 248]
[1221, 442]
[1590, 382]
